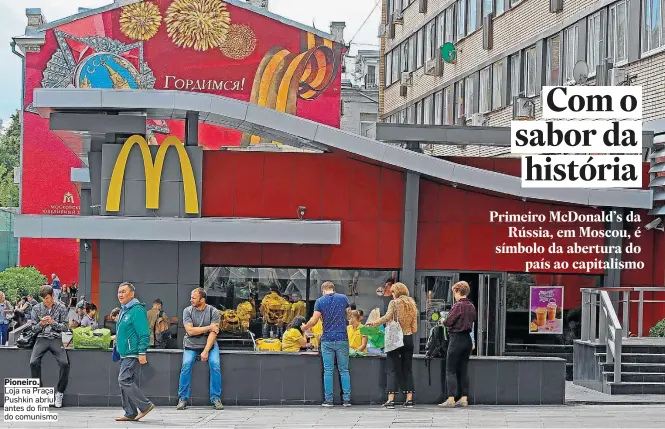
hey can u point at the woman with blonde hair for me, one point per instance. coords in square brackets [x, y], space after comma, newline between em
[400, 361]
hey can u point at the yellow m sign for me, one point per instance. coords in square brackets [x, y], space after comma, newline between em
[153, 174]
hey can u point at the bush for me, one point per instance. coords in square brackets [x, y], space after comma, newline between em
[658, 330]
[17, 282]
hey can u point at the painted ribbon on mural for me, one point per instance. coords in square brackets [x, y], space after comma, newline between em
[283, 77]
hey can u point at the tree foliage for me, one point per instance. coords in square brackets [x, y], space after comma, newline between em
[17, 282]
[10, 156]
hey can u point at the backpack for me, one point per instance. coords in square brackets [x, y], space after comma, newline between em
[162, 331]
[436, 347]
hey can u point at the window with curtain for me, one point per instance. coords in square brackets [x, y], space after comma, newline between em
[553, 60]
[419, 112]
[499, 84]
[530, 70]
[450, 24]
[593, 54]
[461, 19]
[396, 69]
[470, 96]
[430, 40]
[448, 106]
[484, 92]
[438, 108]
[411, 114]
[420, 47]
[616, 33]
[405, 56]
[389, 68]
[412, 52]
[515, 76]
[472, 16]
[440, 31]
[459, 99]
[428, 111]
[652, 28]
[570, 39]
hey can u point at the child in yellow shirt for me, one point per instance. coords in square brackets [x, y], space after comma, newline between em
[357, 341]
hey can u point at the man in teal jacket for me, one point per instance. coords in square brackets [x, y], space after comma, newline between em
[132, 341]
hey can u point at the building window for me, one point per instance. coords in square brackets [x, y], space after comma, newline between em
[553, 60]
[367, 120]
[419, 112]
[472, 16]
[370, 78]
[397, 5]
[396, 69]
[515, 76]
[500, 7]
[430, 40]
[470, 95]
[428, 111]
[484, 93]
[412, 52]
[389, 72]
[405, 56]
[402, 117]
[440, 31]
[448, 106]
[530, 70]
[459, 99]
[616, 37]
[419, 48]
[411, 114]
[450, 24]
[593, 43]
[461, 19]
[569, 53]
[488, 7]
[499, 84]
[652, 30]
[438, 107]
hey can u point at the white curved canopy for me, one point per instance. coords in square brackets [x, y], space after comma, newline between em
[274, 125]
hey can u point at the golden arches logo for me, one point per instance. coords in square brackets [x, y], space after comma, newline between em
[153, 174]
[283, 76]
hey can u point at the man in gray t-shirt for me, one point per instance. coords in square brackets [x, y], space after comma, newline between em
[201, 323]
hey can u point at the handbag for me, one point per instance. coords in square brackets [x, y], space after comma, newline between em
[27, 339]
[115, 356]
[394, 337]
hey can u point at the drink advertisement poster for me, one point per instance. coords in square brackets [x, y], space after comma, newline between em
[546, 305]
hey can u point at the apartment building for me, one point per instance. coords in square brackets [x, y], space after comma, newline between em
[506, 51]
[360, 95]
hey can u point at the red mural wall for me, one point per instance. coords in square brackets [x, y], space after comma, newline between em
[369, 200]
[155, 45]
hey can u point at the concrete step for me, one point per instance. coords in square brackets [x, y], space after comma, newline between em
[567, 356]
[635, 367]
[637, 377]
[643, 349]
[636, 357]
[635, 388]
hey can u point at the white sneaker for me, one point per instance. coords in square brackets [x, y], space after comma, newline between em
[58, 399]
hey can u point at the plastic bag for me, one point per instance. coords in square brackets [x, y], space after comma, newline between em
[86, 338]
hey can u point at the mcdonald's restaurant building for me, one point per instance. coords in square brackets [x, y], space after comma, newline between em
[173, 216]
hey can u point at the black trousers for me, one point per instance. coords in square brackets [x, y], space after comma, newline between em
[400, 368]
[457, 364]
[43, 345]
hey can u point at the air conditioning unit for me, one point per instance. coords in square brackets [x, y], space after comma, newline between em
[616, 76]
[478, 120]
[405, 79]
[422, 6]
[556, 6]
[398, 18]
[382, 30]
[523, 109]
[434, 67]
[488, 32]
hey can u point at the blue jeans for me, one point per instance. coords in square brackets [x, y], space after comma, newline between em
[4, 335]
[188, 359]
[340, 349]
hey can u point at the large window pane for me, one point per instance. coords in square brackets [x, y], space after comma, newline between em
[438, 106]
[470, 96]
[448, 106]
[472, 16]
[530, 70]
[389, 69]
[515, 75]
[419, 112]
[440, 30]
[593, 43]
[616, 33]
[430, 40]
[553, 60]
[366, 289]
[461, 19]
[450, 24]
[485, 100]
[488, 7]
[570, 54]
[500, 7]
[396, 69]
[428, 111]
[405, 56]
[420, 48]
[499, 84]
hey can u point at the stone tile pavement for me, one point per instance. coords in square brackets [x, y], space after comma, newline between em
[568, 416]
[582, 395]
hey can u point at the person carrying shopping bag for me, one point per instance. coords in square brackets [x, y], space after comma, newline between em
[401, 321]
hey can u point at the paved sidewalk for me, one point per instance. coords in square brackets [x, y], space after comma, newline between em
[583, 416]
[582, 395]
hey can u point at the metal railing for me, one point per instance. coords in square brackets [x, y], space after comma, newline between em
[600, 322]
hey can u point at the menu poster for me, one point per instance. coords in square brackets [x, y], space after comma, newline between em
[546, 310]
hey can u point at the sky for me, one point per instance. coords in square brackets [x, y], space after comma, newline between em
[317, 12]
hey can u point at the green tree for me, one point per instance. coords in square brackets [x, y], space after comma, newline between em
[10, 156]
[17, 282]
